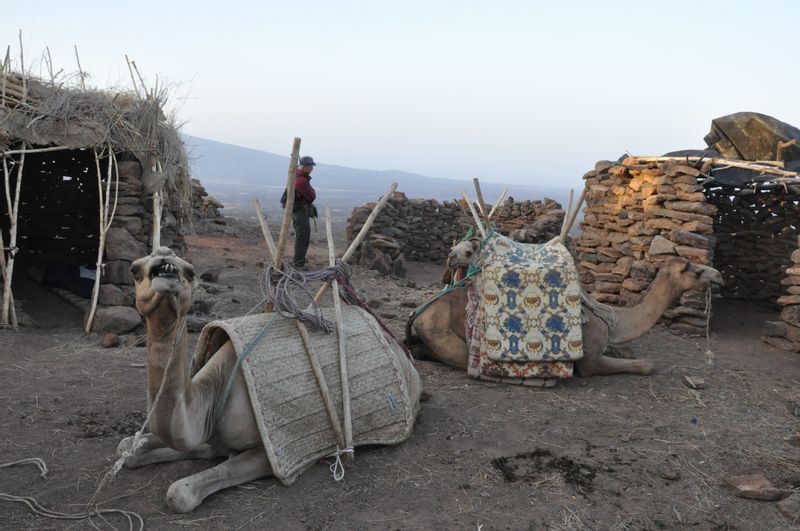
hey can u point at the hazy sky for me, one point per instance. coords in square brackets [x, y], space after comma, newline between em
[515, 91]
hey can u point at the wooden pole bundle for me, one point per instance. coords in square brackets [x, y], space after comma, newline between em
[474, 214]
[287, 212]
[479, 195]
[572, 214]
[262, 220]
[106, 219]
[358, 239]
[337, 308]
[497, 203]
[13, 216]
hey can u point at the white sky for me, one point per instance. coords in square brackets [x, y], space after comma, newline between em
[527, 92]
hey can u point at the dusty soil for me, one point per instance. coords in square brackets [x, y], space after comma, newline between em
[619, 452]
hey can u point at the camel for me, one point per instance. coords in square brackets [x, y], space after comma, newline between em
[186, 420]
[440, 326]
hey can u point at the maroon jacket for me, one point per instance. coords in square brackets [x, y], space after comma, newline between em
[302, 187]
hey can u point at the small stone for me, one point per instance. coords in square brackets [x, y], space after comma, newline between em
[694, 382]
[212, 275]
[409, 304]
[668, 473]
[752, 486]
[196, 323]
[790, 507]
[661, 245]
[374, 303]
[110, 340]
[388, 315]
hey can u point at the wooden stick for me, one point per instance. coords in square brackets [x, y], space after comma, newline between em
[359, 238]
[497, 203]
[479, 194]
[474, 214]
[156, 221]
[262, 220]
[22, 69]
[567, 214]
[287, 212]
[133, 78]
[80, 69]
[36, 150]
[106, 219]
[574, 214]
[764, 166]
[13, 218]
[342, 342]
[13, 310]
[782, 146]
[323, 385]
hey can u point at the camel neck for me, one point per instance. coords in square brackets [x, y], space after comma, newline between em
[633, 322]
[167, 347]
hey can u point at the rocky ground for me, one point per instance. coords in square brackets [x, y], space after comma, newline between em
[619, 452]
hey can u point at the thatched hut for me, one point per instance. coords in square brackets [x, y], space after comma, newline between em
[80, 168]
[643, 210]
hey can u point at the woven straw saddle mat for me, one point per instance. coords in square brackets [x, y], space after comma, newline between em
[294, 424]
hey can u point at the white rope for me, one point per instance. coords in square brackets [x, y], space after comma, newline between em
[337, 468]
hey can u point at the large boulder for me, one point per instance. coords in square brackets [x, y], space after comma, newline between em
[121, 245]
[116, 320]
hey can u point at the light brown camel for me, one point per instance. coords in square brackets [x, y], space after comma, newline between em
[441, 329]
[184, 423]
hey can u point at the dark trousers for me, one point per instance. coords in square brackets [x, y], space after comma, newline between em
[302, 235]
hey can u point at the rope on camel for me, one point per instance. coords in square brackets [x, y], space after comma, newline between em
[281, 287]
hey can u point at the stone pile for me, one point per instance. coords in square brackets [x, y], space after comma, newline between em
[204, 206]
[637, 217]
[425, 229]
[785, 334]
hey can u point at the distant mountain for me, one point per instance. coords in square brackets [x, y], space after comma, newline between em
[235, 174]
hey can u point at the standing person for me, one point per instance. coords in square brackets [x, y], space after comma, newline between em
[304, 209]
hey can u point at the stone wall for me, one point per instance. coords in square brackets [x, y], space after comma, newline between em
[785, 334]
[425, 229]
[130, 235]
[636, 218]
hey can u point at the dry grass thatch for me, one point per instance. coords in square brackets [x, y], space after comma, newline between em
[63, 112]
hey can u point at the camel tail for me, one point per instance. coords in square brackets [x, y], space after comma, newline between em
[411, 339]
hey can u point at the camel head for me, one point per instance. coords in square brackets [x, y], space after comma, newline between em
[163, 282]
[686, 275]
[461, 256]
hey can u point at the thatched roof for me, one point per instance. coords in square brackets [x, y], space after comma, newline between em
[44, 113]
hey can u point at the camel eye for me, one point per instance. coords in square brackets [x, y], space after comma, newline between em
[190, 273]
[136, 271]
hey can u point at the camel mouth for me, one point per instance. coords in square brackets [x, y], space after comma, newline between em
[164, 270]
[459, 272]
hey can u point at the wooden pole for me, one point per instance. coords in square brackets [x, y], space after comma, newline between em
[156, 221]
[497, 203]
[474, 214]
[764, 166]
[574, 214]
[13, 215]
[13, 311]
[567, 214]
[342, 342]
[323, 385]
[479, 195]
[359, 238]
[262, 220]
[106, 219]
[287, 212]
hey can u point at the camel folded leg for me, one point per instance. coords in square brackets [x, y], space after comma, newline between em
[187, 493]
[602, 365]
[152, 450]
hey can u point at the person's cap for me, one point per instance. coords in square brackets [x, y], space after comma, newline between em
[307, 161]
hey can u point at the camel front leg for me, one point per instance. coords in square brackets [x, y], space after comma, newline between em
[152, 450]
[186, 494]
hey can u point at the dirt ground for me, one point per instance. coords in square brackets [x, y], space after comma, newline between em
[617, 452]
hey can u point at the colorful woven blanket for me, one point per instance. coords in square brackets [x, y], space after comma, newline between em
[524, 315]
